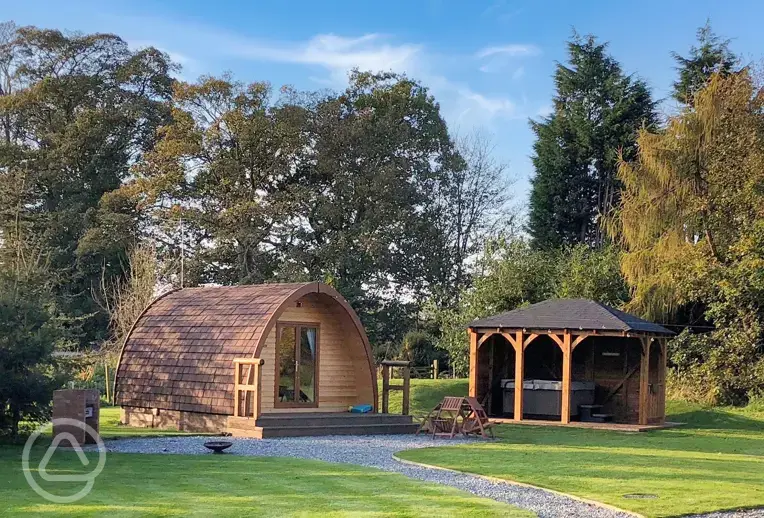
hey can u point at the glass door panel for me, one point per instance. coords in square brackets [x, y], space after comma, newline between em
[287, 363]
[297, 363]
[307, 364]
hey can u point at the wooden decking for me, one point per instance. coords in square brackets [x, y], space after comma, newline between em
[319, 423]
[618, 427]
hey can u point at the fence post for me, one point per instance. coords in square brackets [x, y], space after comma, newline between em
[387, 366]
[434, 369]
[406, 386]
[385, 388]
[106, 382]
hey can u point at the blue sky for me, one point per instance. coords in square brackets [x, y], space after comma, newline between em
[489, 64]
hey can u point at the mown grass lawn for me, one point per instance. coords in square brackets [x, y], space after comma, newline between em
[207, 485]
[714, 462]
[425, 394]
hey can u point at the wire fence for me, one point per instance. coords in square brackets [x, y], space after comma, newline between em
[99, 384]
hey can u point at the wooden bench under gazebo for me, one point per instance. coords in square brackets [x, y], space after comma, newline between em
[569, 361]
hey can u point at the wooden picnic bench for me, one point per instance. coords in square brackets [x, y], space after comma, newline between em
[454, 415]
[476, 422]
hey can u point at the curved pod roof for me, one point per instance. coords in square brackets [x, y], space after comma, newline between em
[179, 354]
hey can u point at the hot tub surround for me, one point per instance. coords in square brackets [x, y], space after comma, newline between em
[543, 398]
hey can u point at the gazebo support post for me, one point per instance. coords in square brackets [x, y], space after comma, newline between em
[473, 363]
[644, 382]
[488, 398]
[567, 352]
[664, 358]
[519, 375]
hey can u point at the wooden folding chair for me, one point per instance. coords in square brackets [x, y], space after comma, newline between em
[427, 425]
[446, 421]
[476, 420]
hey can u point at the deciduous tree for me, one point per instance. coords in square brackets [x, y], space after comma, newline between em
[379, 158]
[79, 111]
[475, 209]
[512, 273]
[691, 222]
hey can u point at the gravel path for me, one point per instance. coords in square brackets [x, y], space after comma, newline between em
[376, 451]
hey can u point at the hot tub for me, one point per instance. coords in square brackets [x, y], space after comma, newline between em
[544, 397]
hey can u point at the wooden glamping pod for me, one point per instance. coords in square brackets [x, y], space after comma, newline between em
[570, 360]
[255, 361]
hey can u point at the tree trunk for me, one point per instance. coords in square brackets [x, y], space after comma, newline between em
[15, 420]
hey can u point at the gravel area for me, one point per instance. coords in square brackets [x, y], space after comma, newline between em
[377, 451]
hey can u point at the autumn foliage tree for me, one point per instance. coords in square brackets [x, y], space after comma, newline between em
[692, 226]
[345, 187]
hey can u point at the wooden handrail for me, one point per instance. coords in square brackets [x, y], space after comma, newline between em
[249, 361]
[395, 363]
[247, 392]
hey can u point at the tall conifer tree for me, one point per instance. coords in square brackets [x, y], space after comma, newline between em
[597, 112]
[712, 54]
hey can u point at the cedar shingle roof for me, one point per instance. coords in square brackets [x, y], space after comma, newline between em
[180, 353]
[570, 314]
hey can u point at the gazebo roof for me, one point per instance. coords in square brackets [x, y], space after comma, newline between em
[571, 314]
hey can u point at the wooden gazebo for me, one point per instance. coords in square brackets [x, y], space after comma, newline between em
[619, 357]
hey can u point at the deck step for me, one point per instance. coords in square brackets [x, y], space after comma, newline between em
[269, 420]
[372, 429]
[316, 424]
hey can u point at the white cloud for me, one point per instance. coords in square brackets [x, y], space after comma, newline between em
[496, 59]
[490, 105]
[462, 105]
[469, 108]
[338, 55]
[328, 58]
[335, 53]
[513, 50]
